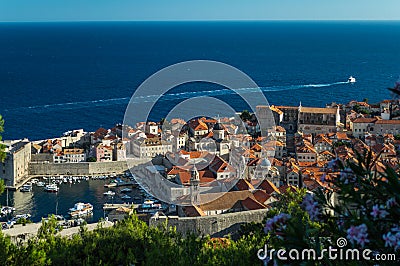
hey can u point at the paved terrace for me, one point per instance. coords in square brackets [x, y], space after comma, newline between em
[20, 232]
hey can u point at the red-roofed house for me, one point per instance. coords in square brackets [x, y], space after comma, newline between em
[361, 125]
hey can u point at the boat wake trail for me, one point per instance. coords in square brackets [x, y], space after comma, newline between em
[166, 97]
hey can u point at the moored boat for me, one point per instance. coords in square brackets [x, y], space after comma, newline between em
[51, 188]
[149, 207]
[125, 197]
[109, 193]
[112, 184]
[125, 190]
[26, 188]
[6, 210]
[81, 209]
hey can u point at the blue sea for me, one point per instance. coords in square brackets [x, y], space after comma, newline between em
[60, 76]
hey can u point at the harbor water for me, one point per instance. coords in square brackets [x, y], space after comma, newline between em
[39, 203]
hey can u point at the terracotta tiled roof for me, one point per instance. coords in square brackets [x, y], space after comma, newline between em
[276, 110]
[283, 189]
[328, 153]
[101, 132]
[208, 120]
[364, 120]
[197, 124]
[305, 149]
[74, 151]
[205, 177]
[261, 195]
[280, 107]
[252, 204]
[311, 184]
[317, 110]
[243, 184]
[306, 164]
[193, 211]
[256, 147]
[193, 154]
[269, 187]
[223, 201]
[387, 122]
[342, 136]
[276, 162]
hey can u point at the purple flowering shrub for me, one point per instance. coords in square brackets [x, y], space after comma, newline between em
[292, 222]
[366, 209]
[361, 205]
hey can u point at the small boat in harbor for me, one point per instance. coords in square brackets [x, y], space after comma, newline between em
[25, 216]
[109, 193]
[126, 197]
[351, 79]
[40, 184]
[149, 206]
[148, 201]
[26, 188]
[112, 184]
[51, 188]
[81, 209]
[126, 190]
[6, 210]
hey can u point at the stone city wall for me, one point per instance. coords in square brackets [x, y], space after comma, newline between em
[213, 225]
[84, 168]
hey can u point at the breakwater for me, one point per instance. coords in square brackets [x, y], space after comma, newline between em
[84, 168]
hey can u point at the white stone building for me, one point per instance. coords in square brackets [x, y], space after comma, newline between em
[16, 165]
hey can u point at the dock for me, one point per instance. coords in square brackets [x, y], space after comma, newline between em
[110, 207]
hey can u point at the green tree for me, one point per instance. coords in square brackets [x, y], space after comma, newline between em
[2, 153]
[245, 115]
[91, 159]
[2, 146]
[2, 186]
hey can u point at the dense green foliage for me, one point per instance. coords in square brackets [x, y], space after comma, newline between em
[357, 108]
[91, 159]
[2, 146]
[2, 186]
[245, 115]
[130, 242]
[2, 153]
[363, 208]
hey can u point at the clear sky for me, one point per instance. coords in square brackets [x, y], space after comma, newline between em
[104, 10]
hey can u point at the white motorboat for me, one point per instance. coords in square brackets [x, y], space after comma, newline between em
[109, 193]
[81, 209]
[51, 188]
[6, 210]
[112, 184]
[26, 188]
[351, 79]
[148, 201]
[125, 190]
[126, 197]
[40, 184]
